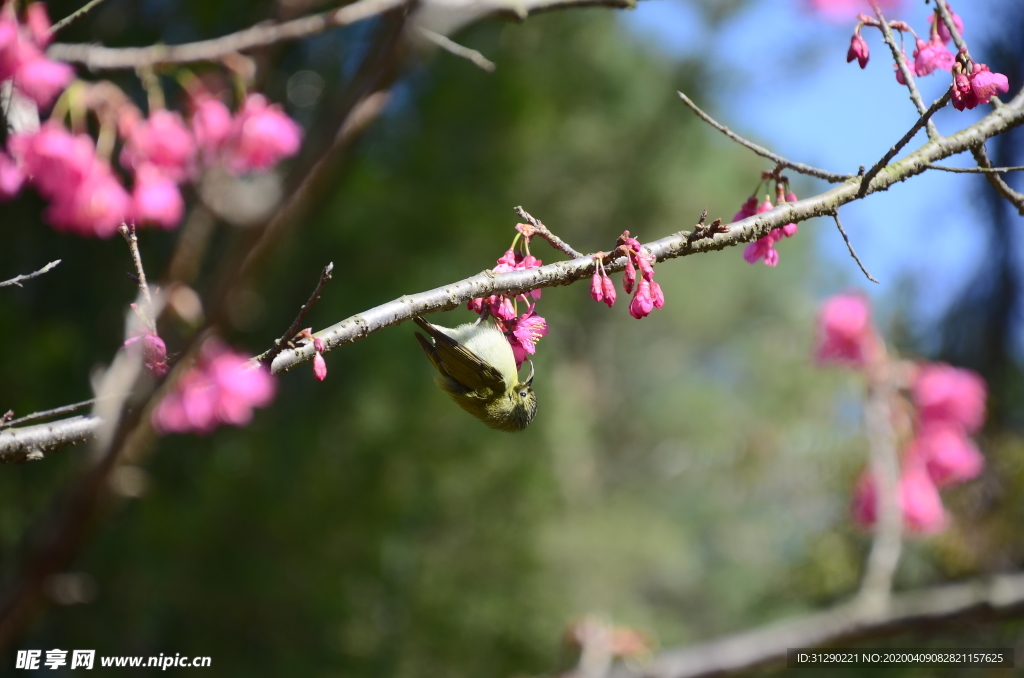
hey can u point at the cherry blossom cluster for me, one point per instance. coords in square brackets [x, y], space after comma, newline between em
[222, 387]
[942, 407]
[973, 83]
[764, 247]
[21, 54]
[86, 193]
[525, 329]
[648, 294]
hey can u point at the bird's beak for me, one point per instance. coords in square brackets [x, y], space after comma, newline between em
[529, 379]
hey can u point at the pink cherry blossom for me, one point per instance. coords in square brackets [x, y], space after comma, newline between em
[319, 367]
[41, 79]
[987, 84]
[943, 31]
[946, 394]
[96, 206]
[858, 50]
[964, 96]
[762, 248]
[845, 334]
[11, 177]
[54, 160]
[22, 58]
[526, 331]
[260, 137]
[161, 140]
[931, 55]
[211, 124]
[222, 388]
[156, 198]
[947, 453]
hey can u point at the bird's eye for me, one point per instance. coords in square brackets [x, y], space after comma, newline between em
[522, 394]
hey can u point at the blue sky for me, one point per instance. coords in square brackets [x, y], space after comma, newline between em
[785, 83]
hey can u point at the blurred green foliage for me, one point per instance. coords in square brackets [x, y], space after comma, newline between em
[687, 474]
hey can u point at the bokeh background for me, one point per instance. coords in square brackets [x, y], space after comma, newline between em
[688, 474]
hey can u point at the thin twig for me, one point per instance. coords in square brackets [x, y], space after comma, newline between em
[128, 232]
[97, 57]
[18, 279]
[975, 170]
[849, 246]
[283, 342]
[1014, 197]
[545, 233]
[76, 15]
[904, 69]
[46, 414]
[830, 177]
[893, 150]
[461, 51]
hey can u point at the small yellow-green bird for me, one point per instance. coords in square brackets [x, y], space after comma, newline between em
[477, 369]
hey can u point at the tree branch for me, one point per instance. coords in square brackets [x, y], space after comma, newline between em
[46, 414]
[454, 48]
[280, 344]
[98, 57]
[30, 443]
[678, 244]
[18, 279]
[764, 152]
[942, 605]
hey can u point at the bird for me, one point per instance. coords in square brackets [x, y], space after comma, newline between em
[478, 370]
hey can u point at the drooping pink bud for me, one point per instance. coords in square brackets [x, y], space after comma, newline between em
[42, 79]
[629, 276]
[943, 30]
[318, 345]
[762, 248]
[319, 367]
[646, 268]
[643, 302]
[858, 50]
[657, 296]
[608, 288]
[919, 500]
[596, 288]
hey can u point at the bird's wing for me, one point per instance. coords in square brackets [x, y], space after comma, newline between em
[454, 360]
